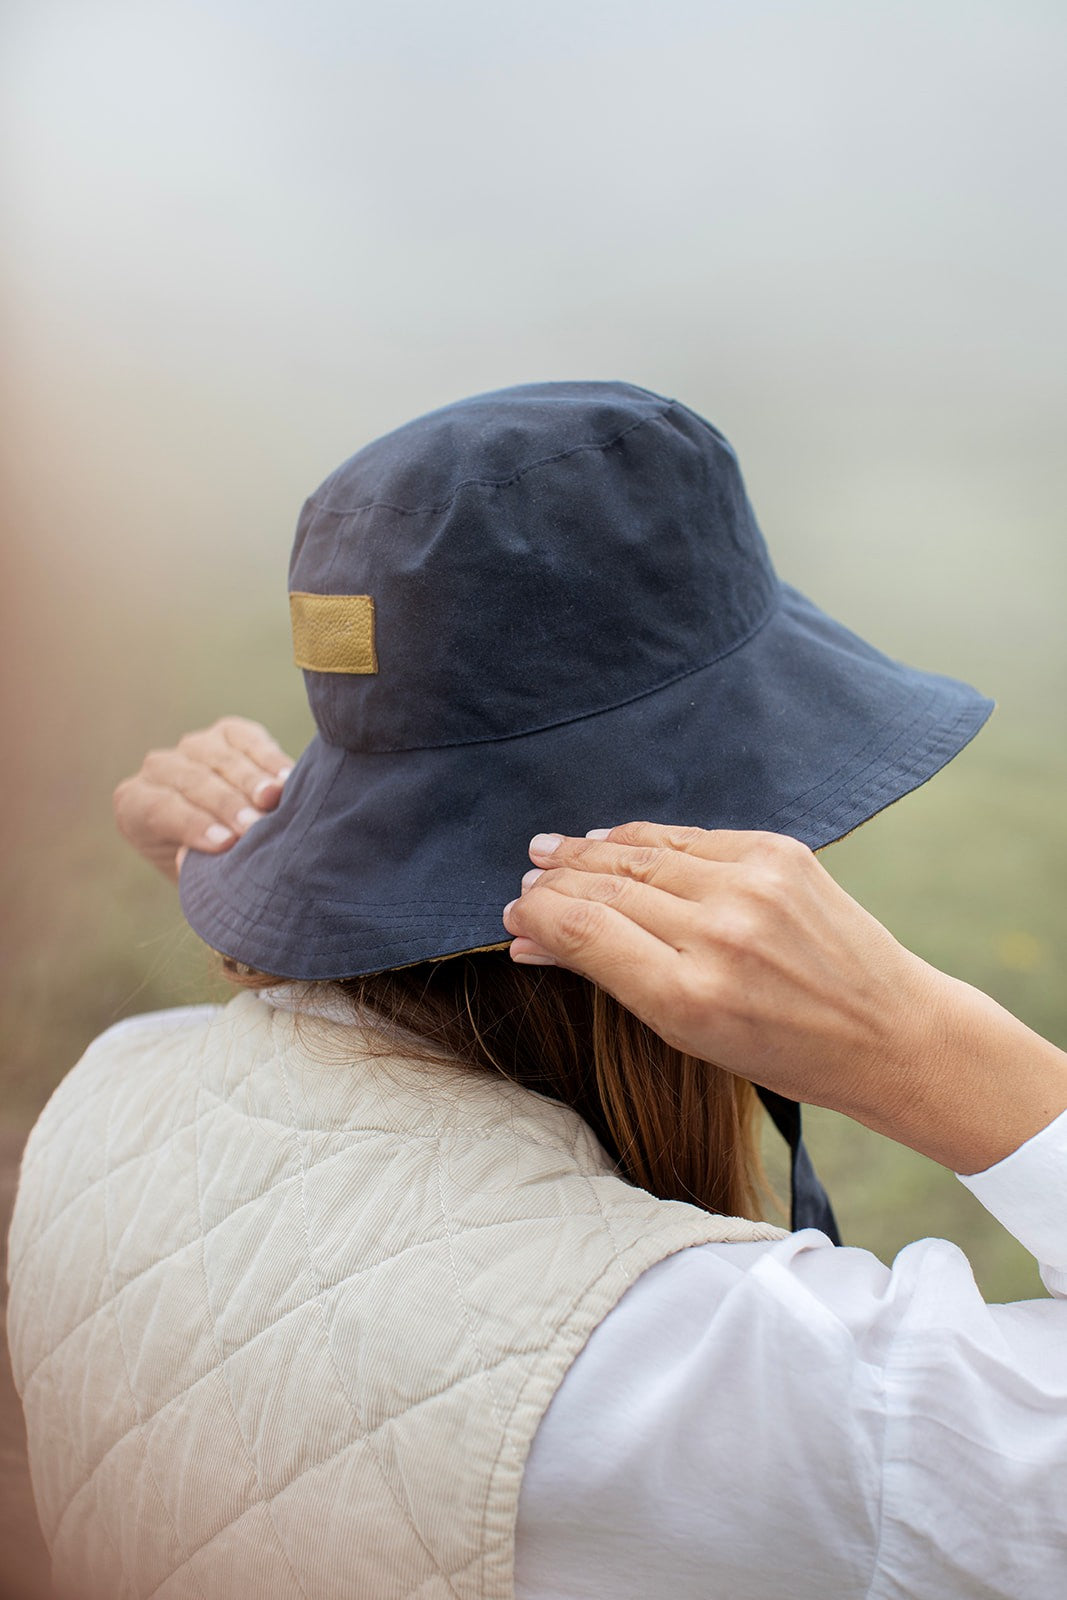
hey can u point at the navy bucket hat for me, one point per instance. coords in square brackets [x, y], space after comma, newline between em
[547, 607]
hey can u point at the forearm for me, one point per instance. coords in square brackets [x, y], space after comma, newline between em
[965, 1082]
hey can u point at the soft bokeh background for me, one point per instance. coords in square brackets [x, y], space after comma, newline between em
[244, 237]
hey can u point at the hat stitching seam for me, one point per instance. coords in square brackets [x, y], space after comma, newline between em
[579, 716]
[338, 910]
[448, 907]
[942, 741]
[403, 938]
[871, 751]
[240, 923]
[489, 483]
[877, 759]
[866, 782]
[384, 950]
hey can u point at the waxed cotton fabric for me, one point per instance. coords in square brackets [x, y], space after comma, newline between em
[534, 556]
[577, 624]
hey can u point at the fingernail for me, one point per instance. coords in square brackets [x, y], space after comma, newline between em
[284, 773]
[532, 961]
[508, 908]
[264, 788]
[217, 834]
[532, 876]
[543, 844]
[246, 816]
[598, 833]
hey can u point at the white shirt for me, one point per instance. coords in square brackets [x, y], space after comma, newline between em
[790, 1421]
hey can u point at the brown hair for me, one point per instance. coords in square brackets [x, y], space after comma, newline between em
[675, 1125]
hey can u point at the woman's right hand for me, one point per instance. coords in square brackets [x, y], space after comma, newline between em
[739, 948]
[202, 794]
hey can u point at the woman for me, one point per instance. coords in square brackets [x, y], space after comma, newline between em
[305, 1300]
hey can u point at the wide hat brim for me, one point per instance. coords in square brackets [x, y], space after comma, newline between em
[375, 861]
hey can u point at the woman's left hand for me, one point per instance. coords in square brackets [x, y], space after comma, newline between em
[202, 794]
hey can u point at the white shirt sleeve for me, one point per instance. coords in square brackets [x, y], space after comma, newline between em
[789, 1419]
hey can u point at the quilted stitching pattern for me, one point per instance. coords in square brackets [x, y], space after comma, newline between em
[285, 1320]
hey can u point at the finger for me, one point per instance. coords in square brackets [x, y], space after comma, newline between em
[681, 859]
[203, 788]
[597, 941]
[210, 749]
[252, 740]
[526, 949]
[702, 843]
[526, 953]
[260, 788]
[706, 844]
[709, 844]
[686, 876]
[159, 819]
[670, 917]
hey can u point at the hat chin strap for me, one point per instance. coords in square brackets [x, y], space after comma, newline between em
[809, 1203]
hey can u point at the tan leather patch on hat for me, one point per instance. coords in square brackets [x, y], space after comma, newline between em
[333, 632]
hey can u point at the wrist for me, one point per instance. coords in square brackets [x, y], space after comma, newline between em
[962, 1080]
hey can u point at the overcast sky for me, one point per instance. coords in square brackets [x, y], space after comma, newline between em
[245, 236]
[400, 180]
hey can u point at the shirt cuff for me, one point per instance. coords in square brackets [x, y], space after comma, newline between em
[1027, 1192]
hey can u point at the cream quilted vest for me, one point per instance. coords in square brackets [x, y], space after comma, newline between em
[285, 1318]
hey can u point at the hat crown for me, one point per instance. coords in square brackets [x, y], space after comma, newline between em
[534, 555]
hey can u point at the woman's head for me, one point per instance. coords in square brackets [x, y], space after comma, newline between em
[545, 608]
